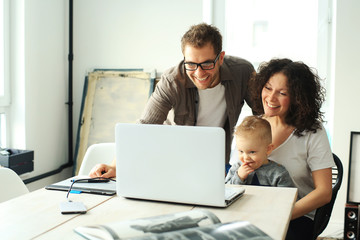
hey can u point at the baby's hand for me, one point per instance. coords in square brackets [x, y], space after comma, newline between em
[244, 171]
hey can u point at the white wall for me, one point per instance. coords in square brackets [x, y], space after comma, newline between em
[137, 33]
[346, 91]
[128, 34]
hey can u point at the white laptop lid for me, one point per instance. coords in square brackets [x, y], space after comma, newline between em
[182, 164]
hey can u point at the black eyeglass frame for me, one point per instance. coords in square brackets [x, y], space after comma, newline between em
[200, 64]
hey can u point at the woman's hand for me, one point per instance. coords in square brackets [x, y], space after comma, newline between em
[103, 170]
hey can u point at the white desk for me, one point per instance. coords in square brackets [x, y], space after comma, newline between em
[37, 216]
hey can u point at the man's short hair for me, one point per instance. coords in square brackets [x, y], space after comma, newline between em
[201, 34]
[255, 125]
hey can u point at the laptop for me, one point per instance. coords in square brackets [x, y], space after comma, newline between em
[106, 188]
[183, 164]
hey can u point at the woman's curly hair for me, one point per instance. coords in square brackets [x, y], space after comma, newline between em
[304, 88]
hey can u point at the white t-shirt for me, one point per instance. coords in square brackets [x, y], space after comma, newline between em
[212, 107]
[302, 155]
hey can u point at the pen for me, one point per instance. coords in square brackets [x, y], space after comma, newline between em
[104, 180]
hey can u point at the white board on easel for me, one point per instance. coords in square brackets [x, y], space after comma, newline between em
[110, 96]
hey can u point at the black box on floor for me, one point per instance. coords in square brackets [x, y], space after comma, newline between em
[20, 161]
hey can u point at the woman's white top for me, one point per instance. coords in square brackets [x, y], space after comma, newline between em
[303, 155]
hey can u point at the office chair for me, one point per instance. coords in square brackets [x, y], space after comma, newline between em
[97, 153]
[322, 214]
[11, 185]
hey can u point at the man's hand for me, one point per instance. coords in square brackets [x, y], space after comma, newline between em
[244, 171]
[103, 170]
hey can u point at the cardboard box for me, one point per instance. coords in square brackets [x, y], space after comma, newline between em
[20, 161]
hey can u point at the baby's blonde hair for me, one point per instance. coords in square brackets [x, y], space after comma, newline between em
[255, 125]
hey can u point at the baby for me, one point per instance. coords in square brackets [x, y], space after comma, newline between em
[254, 144]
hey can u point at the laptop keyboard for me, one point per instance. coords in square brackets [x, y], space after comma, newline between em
[230, 193]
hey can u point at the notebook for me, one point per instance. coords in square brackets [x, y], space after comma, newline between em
[183, 164]
[108, 188]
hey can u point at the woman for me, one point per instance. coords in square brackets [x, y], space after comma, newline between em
[290, 95]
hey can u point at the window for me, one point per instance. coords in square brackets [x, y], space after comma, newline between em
[259, 30]
[4, 70]
[4, 53]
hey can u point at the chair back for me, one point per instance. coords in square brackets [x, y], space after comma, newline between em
[97, 153]
[11, 185]
[323, 214]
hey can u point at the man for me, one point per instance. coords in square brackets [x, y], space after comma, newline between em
[205, 89]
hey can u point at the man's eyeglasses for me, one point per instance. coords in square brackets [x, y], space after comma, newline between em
[190, 66]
